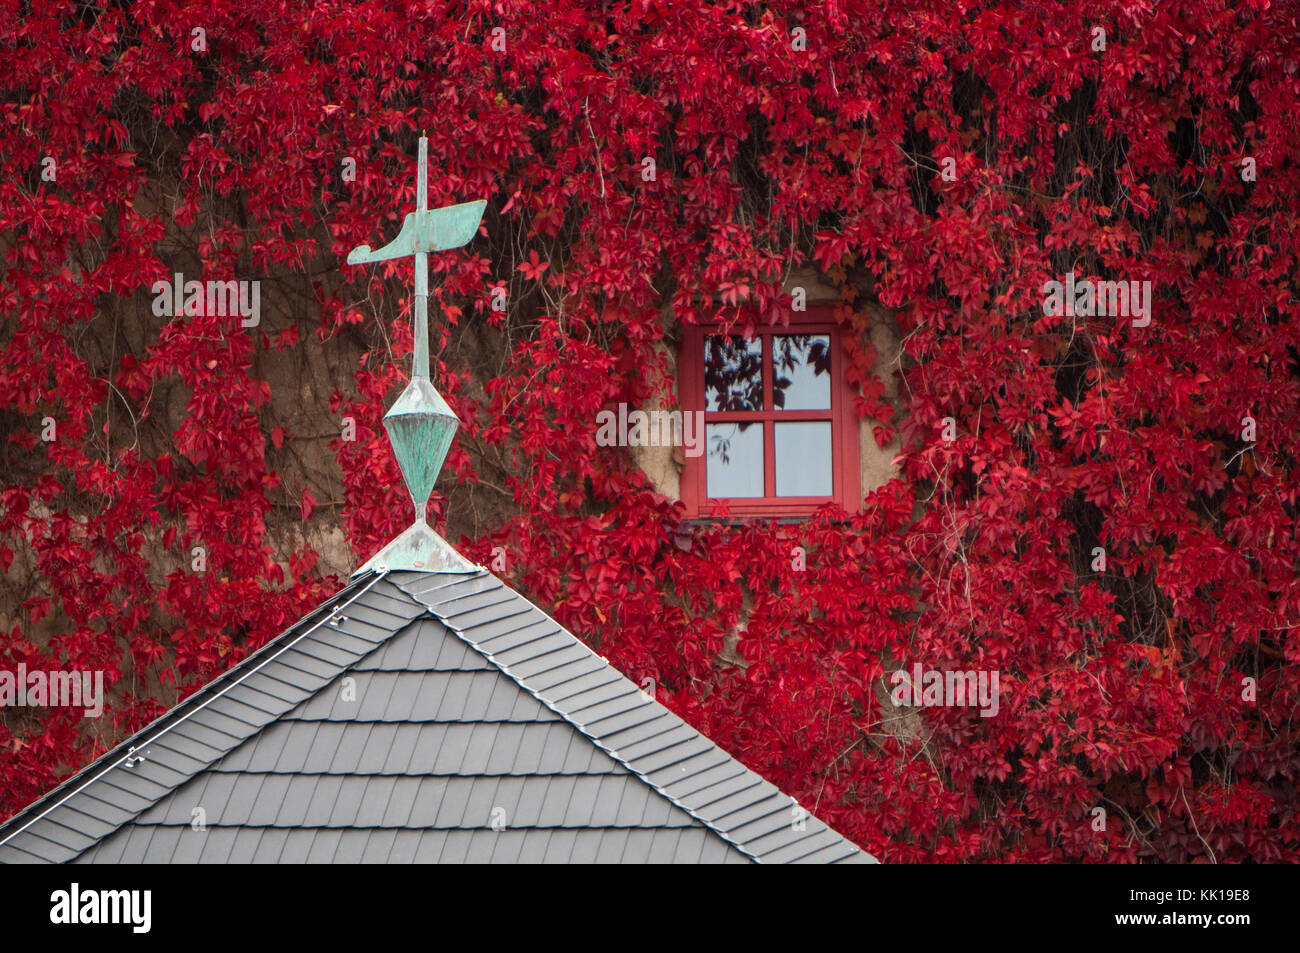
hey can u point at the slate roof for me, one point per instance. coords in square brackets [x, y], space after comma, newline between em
[480, 731]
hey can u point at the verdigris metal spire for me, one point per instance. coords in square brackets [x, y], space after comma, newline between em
[420, 425]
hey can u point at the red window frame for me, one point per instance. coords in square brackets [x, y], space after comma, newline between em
[846, 478]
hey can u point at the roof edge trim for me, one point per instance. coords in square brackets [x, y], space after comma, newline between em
[269, 653]
[522, 681]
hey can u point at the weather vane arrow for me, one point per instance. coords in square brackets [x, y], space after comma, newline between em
[420, 425]
[423, 231]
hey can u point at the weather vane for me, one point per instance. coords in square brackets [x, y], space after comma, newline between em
[420, 425]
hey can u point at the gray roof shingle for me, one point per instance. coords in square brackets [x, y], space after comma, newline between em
[419, 718]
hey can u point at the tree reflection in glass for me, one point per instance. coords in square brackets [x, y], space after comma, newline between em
[733, 373]
[801, 378]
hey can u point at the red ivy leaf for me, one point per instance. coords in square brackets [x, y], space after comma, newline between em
[534, 266]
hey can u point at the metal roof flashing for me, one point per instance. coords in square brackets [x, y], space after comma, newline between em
[418, 549]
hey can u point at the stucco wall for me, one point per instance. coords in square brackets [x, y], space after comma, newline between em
[663, 465]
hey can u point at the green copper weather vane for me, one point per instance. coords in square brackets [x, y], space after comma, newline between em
[420, 425]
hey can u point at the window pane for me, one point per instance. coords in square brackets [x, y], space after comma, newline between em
[735, 466]
[733, 373]
[803, 459]
[801, 378]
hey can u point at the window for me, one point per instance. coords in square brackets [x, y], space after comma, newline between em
[780, 435]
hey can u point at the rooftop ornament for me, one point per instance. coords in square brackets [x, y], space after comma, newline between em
[420, 425]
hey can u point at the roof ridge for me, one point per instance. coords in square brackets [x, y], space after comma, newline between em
[641, 764]
[499, 629]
